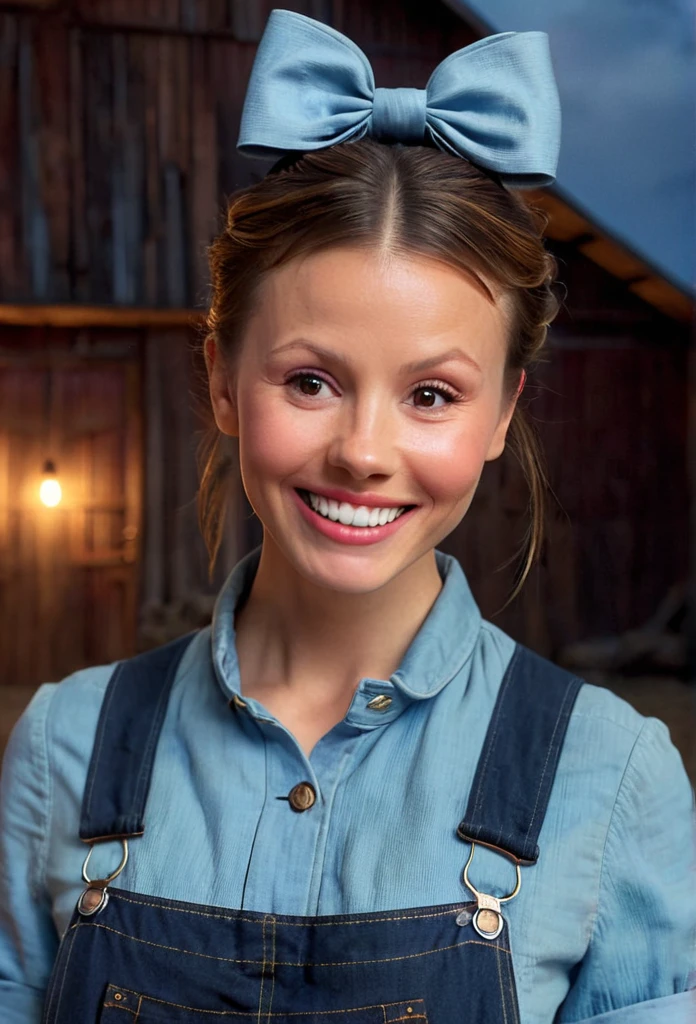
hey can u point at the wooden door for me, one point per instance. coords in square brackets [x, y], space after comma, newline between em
[68, 575]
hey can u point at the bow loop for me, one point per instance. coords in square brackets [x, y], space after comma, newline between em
[494, 102]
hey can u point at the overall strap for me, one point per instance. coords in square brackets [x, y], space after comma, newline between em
[516, 769]
[132, 713]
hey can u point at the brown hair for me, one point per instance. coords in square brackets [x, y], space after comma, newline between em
[408, 199]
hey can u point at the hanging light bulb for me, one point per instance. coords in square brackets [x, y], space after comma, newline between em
[50, 491]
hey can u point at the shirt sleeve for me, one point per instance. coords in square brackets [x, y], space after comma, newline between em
[28, 937]
[640, 967]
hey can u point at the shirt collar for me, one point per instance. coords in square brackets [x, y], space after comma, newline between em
[436, 654]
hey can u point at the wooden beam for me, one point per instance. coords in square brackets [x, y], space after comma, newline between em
[665, 297]
[40, 315]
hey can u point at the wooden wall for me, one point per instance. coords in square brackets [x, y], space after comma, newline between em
[121, 415]
[611, 413]
[68, 574]
[119, 123]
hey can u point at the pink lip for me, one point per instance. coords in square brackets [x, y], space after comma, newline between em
[367, 498]
[356, 535]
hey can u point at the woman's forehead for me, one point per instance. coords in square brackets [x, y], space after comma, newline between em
[347, 296]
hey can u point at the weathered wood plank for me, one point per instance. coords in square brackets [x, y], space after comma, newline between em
[80, 290]
[127, 175]
[204, 167]
[99, 159]
[36, 315]
[52, 61]
[35, 240]
[11, 283]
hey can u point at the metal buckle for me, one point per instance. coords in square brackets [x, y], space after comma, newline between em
[488, 920]
[95, 897]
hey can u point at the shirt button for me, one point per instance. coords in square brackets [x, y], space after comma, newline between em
[379, 703]
[237, 702]
[302, 796]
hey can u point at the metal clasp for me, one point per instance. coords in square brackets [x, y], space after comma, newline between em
[488, 919]
[95, 897]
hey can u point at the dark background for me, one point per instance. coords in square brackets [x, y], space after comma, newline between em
[118, 124]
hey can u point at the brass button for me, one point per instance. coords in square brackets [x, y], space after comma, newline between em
[238, 702]
[302, 796]
[379, 703]
[488, 920]
[90, 901]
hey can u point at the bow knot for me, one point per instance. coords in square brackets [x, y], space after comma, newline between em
[494, 102]
[399, 115]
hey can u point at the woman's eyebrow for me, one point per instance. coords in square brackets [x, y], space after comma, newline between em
[413, 367]
[443, 357]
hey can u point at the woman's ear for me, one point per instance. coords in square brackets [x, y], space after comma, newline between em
[221, 385]
[497, 445]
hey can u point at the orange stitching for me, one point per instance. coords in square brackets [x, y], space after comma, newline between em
[513, 989]
[293, 924]
[263, 969]
[140, 1003]
[65, 972]
[409, 1016]
[244, 1013]
[273, 953]
[54, 980]
[500, 985]
[158, 945]
[290, 963]
[118, 1006]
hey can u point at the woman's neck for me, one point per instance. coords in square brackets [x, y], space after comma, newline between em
[295, 637]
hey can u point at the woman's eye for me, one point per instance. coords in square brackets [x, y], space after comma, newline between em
[430, 394]
[307, 383]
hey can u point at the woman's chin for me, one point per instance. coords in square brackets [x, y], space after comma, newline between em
[354, 572]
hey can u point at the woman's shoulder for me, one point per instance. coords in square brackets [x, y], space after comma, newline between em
[593, 702]
[605, 732]
[58, 726]
[56, 729]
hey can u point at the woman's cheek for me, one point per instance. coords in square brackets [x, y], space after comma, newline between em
[449, 465]
[278, 438]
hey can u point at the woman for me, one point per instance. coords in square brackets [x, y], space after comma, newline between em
[352, 799]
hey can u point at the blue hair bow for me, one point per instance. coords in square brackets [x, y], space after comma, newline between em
[494, 102]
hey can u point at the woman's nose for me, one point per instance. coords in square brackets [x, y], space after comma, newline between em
[365, 442]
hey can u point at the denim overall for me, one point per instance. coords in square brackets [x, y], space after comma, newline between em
[128, 957]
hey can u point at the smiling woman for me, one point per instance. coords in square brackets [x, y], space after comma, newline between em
[343, 382]
[386, 809]
[389, 262]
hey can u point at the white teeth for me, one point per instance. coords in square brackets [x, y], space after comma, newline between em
[362, 517]
[352, 515]
[345, 513]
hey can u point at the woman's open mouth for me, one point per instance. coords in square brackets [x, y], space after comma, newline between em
[351, 515]
[350, 524]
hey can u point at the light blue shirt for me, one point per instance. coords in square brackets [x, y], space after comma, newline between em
[604, 927]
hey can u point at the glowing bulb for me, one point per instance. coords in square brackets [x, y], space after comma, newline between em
[50, 491]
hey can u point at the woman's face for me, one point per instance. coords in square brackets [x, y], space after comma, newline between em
[364, 382]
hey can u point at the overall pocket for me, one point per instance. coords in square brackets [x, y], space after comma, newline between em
[123, 1006]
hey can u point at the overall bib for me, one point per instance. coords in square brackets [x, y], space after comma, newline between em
[128, 957]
